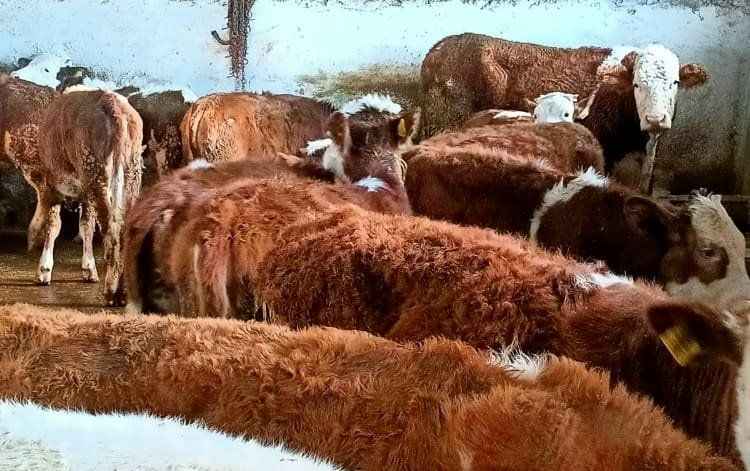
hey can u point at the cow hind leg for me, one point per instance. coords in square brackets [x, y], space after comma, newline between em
[50, 231]
[87, 228]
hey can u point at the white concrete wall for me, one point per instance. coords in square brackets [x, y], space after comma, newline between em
[141, 41]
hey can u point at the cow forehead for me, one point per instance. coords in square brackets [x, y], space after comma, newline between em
[712, 223]
[656, 63]
[50, 61]
[557, 97]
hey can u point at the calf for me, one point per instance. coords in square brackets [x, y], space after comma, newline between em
[83, 146]
[360, 401]
[567, 147]
[635, 89]
[409, 278]
[237, 126]
[214, 255]
[554, 107]
[355, 147]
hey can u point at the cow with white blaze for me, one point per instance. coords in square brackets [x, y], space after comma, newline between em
[632, 91]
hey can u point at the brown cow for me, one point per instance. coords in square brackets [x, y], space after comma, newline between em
[357, 147]
[636, 89]
[410, 278]
[240, 126]
[86, 147]
[360, 401]
[568, 147]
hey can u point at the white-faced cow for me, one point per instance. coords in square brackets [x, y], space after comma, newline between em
[635, 88]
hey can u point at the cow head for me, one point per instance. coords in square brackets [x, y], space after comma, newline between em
[555, 107]
[654, 74]
[706, 261]
[365, 136]
[42, 69]
[692, 334]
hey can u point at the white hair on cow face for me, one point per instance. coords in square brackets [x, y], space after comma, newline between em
[716, 233]
[555, 107]
[374, 101]
[43, 70]
[656, 79]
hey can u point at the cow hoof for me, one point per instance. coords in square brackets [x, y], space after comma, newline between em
[115, 300]
[44, 277]
[89, 276]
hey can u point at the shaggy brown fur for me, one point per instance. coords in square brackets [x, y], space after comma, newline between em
[214, 255]
[237, 126]
[467, 73]
[567, 147]
[471, 183]
[410, 278]
[85, 146]
[161, 210]
[363, 402]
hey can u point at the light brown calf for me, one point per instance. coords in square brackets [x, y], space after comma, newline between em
[239, 126]
[81, 146]
[363, 402]
[410, 278]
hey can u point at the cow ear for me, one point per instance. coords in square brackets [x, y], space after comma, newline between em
[689, 331]
[23, 62]
[338, 128]
[406, 126]
[621, 73]
[692, 75]
[529, 105]
[645, 215]
[629, 61]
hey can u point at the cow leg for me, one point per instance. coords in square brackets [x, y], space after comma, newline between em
[50, 231]
[87, 227]
[110, 222]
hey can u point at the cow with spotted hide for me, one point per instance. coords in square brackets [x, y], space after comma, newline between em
[82, 146]
[634, 89]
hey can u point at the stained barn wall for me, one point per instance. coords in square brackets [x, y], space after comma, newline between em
[334, 49]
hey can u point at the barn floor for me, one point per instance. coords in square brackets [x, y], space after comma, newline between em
[18, 270]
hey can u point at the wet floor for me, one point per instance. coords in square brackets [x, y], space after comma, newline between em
[18, 273]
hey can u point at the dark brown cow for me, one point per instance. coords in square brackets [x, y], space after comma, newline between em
[636, 89]
[362, 402]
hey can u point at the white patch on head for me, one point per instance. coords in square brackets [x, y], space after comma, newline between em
[372, 184]
[561, 193]
[593, 281]
[333, 160]
[187, 94]
[511, 114]
[43, 69]
[713, 226]
[555, 107]
[200, 164]
[656, 74]
[317, 145]
[518, 364]
[374, 101]
[43, 439]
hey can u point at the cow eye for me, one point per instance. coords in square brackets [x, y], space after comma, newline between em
[676, 82]
[635, 85]
[46, 70]
[567, 115]
[707, 252]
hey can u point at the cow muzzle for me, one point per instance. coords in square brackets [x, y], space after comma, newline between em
[654, 122]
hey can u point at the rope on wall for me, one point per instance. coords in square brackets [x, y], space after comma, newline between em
[238, 24]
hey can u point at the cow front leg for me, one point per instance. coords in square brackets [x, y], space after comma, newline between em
[50, 231]
[87, 227]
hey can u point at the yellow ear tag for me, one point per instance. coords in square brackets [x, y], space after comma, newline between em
[402, 128]
[683, 348]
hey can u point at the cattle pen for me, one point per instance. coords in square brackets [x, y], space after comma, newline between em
[305, 235]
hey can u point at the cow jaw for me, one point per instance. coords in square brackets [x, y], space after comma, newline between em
[656, 76]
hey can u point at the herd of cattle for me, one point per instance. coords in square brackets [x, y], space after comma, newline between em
[475, 261]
